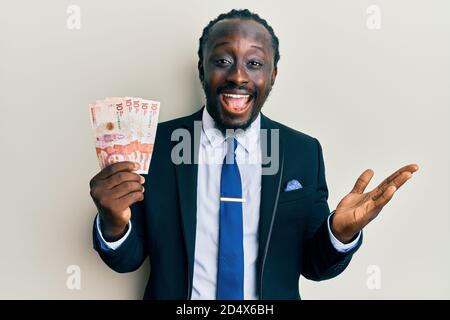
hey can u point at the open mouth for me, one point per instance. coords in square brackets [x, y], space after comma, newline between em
[236, 104]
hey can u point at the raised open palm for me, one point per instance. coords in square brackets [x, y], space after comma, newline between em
[357, 208]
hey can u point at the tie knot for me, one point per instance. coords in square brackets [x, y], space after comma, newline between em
[231, 150]
[231, 145]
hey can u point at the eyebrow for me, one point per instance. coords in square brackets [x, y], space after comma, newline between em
[220, 44]
[226, 42]
[259, 48]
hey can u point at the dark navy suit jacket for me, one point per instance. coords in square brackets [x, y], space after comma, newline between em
[293, 231]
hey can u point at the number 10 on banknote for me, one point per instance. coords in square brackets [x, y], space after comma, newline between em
[124, 130]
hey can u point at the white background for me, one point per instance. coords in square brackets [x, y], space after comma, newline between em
[374, 98]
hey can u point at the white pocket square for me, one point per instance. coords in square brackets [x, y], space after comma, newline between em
[292, 185]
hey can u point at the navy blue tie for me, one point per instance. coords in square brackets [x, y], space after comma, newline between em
[230, 269]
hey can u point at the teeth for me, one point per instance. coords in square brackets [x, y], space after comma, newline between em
[236, 96]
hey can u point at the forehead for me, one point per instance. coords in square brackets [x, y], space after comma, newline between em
[232, 30]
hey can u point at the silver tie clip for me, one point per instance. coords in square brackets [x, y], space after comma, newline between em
[232, 199]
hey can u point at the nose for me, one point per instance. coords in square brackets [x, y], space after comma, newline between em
[237, 75]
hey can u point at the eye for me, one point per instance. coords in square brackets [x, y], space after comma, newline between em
[255, 64]
[222, 62]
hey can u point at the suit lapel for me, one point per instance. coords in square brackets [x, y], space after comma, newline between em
[187, 190]
[270, 185]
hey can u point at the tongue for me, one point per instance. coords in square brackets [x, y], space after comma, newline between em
[236, 103]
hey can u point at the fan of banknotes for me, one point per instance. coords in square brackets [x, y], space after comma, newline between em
[124, 130]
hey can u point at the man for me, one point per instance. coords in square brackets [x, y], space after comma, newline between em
[231, 230]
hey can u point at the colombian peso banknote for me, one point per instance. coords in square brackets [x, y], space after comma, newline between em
[124, 130]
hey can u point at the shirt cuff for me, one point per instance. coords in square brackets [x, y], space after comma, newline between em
[339, 246]
[108, 246]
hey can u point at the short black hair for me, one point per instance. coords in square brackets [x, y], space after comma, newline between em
[244, 14]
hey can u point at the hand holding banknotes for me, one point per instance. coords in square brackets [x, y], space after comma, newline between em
[114, 189]
[124, 131]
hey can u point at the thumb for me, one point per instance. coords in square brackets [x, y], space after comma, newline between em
[362, 181]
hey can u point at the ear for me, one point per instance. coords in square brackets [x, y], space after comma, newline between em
[201, 72]
[274, 75]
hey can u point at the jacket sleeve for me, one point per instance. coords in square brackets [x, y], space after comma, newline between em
[130, 255]
[321, 260]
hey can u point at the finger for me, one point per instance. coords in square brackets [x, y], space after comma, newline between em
[397, 182]
[117, 167]
[362, 181]
[385, 197]
[121, 177]
[408, 168]
[129, 199]
[411, 168]
[401, 179]
[125, 188]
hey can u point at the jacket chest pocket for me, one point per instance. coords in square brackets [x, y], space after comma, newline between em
[295, 195]
[293, 209]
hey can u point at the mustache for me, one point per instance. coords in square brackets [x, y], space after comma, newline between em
[238, 89]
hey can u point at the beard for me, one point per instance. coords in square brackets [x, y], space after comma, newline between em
[216, 111]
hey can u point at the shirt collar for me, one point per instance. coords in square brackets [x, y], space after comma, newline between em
[247, 138]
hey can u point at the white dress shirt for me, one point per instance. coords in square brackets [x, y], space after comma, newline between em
[212, 151]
